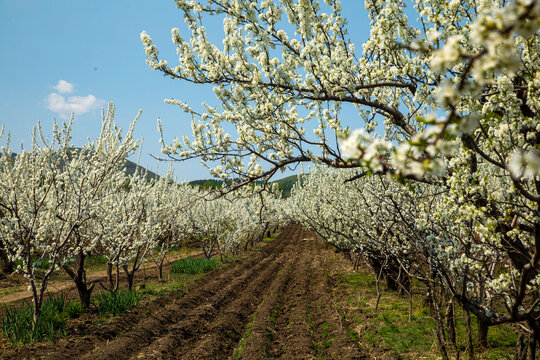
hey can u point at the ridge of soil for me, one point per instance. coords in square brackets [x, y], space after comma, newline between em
[276, 304]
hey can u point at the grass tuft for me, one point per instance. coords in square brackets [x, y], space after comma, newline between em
[193, 265]
[117, 302]
[73, 309]
[17, 324]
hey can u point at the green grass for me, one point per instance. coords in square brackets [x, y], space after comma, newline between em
[175, 283]
[73, 309]
[404, 336]
[271, 238]
[39, 264]
[193, 265]
[96, 259]
[116, 302]
[391, 326]
[17, 323]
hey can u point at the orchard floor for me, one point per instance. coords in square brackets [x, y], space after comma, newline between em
[278, 303]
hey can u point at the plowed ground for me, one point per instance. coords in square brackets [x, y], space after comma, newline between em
[277, 304]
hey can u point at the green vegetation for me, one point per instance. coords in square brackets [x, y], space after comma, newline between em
[96, 259]
[117, 302]
[237, 354]
[191, 265]
[392, 328]
[17, 323]
[271, 238]
[42, 264]
[176, 282]
[285, 184]
[73, 309]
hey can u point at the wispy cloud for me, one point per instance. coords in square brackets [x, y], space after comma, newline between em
[77, 105]
[63, 87]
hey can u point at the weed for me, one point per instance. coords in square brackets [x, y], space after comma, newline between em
[237, 354]
[193, 265]
[117, 302]
[73, 309]
[17, 324]
[354, 336]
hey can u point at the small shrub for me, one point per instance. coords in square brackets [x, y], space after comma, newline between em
[18, 322]
[117, 302]
[193, 265]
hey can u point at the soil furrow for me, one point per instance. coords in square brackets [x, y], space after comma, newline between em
[292, 338]
[278, 304]
[189, 333]
[200, 300]
[259, 332]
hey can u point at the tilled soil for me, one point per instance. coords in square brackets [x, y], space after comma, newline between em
[277, 304]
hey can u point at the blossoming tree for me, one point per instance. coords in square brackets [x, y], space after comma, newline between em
[49, 197]
[450, 99]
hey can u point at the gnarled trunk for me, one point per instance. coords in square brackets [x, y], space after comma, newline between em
[84, 288]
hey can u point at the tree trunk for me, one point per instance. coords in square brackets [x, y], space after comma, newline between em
[37, 297]
[470, 346]
[113, 283]
[83, 288]
[160, 268]
[450, 322]
[483, 329]
[130, 275]
[532, 348]
[6, 266]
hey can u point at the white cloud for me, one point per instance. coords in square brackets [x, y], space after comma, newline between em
[63, 87]
[73, 104]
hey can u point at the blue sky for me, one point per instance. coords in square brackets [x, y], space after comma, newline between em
[94, 47]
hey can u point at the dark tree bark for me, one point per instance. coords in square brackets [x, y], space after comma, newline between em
[113, 282]
[6, 266]
[84, 288]
[483, 329]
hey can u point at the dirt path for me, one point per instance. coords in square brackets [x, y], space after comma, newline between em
[277, 304]
[57, 286]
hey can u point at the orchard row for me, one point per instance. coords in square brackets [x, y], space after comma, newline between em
[60, 204]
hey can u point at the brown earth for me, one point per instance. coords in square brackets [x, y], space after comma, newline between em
[277, 304]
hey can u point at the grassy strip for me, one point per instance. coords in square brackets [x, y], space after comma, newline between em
[191, 265]
[391, 328]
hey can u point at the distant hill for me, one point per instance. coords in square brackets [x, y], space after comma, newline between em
[131, 167]
[285, 184]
